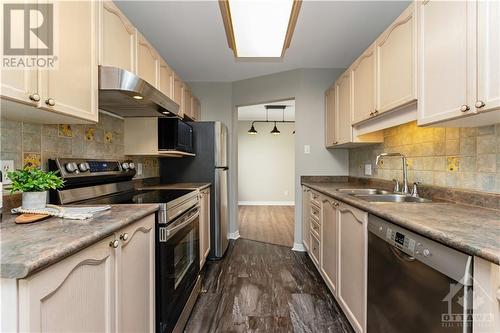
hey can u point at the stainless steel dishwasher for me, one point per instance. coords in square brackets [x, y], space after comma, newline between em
[415, 284]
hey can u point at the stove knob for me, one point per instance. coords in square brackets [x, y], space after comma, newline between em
[131, 165]
[125, 166]
[426, 253]
[71, 167]
[83, 167]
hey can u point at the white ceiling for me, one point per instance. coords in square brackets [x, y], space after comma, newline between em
[258, 112]
[190, 36]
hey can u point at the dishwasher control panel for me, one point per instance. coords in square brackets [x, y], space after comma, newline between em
[401, 241]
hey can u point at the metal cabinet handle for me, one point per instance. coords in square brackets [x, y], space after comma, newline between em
[371, 114]
[114, 243]
[336, 204]
[50, 102]
[335, 142]
[464, 108]
[375, 112]
[124, 236]
[34, 97]
[479, 104]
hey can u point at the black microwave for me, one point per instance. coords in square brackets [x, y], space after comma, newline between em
[175, 134]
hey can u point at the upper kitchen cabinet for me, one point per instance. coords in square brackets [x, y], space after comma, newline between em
[147, 61]
[343, 104]
[363, 86]
[47, 89]
[396, 63]
[178, 93]
[187, 103]
[330, 121]
[458, 63]
[196, 109]
[166, 79]
[117, 38]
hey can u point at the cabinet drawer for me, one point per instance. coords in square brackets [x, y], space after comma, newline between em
[314, 248]
[316, 228]
[315, 213]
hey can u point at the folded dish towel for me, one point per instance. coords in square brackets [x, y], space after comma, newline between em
[72, 213]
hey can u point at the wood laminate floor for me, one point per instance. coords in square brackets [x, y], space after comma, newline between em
[261, 287]
[268, 224]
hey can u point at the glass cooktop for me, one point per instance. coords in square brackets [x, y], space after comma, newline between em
[140, 197]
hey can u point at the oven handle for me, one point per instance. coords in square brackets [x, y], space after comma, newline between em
[172, 231]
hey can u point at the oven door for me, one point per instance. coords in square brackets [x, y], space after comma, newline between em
[178, 265]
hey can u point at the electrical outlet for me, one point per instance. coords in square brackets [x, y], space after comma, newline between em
[6, 166]
[368, 169]
[139, 169]
[307, 149]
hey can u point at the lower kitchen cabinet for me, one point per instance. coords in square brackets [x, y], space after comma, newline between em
[486, 290]
[204, 225]
[329, 243]
[106, 287]
[306, 209]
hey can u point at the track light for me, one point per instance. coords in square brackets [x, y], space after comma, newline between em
[252, 130]
[275, 130]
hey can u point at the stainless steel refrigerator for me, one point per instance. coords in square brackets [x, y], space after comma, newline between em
[209, 165]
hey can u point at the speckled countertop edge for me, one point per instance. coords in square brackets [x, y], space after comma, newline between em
[402, 215]
[28, 248]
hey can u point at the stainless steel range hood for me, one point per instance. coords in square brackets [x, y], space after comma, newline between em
[126, 94]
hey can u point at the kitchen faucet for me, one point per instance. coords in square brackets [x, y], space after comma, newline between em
[405, 170]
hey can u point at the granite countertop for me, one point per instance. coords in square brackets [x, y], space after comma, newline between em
[26, 248]
[470, 229]
[177, 186]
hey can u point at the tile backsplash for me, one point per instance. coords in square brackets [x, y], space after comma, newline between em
[27, 143]
[466, 158]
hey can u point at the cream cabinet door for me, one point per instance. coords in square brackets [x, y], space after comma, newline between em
[446, 56]
[117, 38]
[186, 100]
[178, 93]
[204, 226]
[353, 264]
[72, 88]
[330, 118]
[147, 61]
[396, 59]
[136, 277]
[306, 211]
[488, 56]
[343, 108]
[363, 86]
[74, 295]
[329, 242]
[486, 290]
[166, 80]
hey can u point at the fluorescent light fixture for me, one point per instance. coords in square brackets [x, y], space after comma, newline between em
[259, 28]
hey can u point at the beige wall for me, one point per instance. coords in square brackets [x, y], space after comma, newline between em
[266, 164]
[466, 158]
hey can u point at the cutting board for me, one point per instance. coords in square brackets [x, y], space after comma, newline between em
[30, 218]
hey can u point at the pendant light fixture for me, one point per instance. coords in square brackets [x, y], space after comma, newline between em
[275, 130]
[252, 130]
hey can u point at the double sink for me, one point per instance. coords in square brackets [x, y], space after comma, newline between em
[377, 195]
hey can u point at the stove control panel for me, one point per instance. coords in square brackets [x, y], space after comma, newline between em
[78, 167]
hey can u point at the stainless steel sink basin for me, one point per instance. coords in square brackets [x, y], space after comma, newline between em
[391, 198]
[362, 191]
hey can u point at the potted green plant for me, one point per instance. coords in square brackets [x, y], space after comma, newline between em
[34, 184]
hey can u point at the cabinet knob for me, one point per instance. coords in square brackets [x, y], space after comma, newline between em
[114, 244]
[371, 114]
[50, 102]
[479, 104]
[335, 204]
[464, 108]
[375, 112]
[124, 237]
[335, 142]
[34, 97]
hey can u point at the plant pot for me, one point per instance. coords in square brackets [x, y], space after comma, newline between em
[34, 200]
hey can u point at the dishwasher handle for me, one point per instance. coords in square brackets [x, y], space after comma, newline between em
[400, 254]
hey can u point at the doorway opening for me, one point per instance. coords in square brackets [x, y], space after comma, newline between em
[266, 172]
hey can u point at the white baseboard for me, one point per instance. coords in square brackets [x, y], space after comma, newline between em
[266, 203]
[234, 235]
[299, 247]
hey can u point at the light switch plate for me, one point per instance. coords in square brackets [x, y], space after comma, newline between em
[139, 169]
[6, 166]
[368, 169]
[307, 149]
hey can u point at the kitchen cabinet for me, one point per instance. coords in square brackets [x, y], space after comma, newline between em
[187, 105]
[331, 122]
[117, 38]
[147, 60]
[458, 52]
[166, 79]
[329, 242]
[486, 290]
[396, 63]
[196, 109]
[136, 277]
[343, 107]
[306, 209]
[106, 287]
[204, 225]
[178, 93]
[363, 86]
[352, 257]
[48, 89]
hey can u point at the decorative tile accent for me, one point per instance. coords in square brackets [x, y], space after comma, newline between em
[108, 137]
[453, 163]
[32, 160]
[65, 131]
[89, 133]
